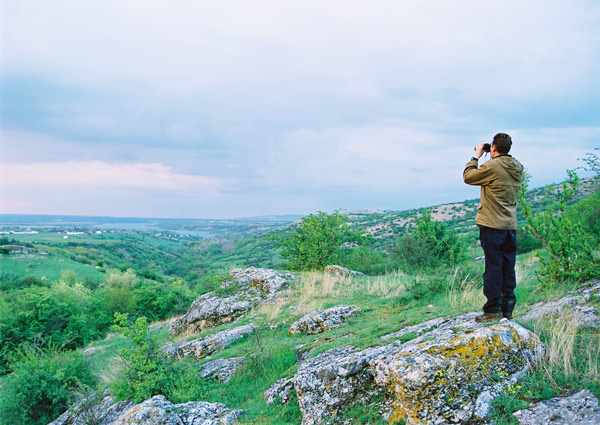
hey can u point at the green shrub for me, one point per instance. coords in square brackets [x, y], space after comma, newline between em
[431, 244]
[146, 371]
[569, 250]
[313, 244]
[42, 385]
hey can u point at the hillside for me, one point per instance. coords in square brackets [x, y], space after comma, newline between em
[255, 345]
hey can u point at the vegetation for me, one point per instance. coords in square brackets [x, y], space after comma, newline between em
[313, 244]
[570, 250]
[419, 266]
[42, 384]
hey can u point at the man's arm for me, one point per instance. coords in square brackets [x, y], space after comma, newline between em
[477, 176]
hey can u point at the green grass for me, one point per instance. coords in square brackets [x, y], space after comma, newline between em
[46, 267]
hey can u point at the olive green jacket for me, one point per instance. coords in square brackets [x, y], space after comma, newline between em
[500, 180]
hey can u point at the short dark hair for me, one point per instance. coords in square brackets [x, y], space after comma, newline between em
[503, 142]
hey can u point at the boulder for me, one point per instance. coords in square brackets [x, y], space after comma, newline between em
[159, 411]
[581, 409]
[208, 311]
[93, 411]
[578, 303]
[323, 320]
[254, 286]
[222, 369]
[263, 282]
[439, 377]
[207, 345]
[280, 390]
[341, 271]
[334, 380]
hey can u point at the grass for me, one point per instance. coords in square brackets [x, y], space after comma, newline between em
[388, 303]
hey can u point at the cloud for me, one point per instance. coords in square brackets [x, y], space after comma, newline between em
[60, 175]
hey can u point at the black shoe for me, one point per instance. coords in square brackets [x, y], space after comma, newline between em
[488, 317]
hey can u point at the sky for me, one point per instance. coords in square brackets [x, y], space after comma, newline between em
[203, 109]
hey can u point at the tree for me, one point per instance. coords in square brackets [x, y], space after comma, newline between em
[313, 244]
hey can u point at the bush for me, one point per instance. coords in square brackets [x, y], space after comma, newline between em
[431, 244]
[569, 251]
[313, 244]
[42, 385]
[146, 365]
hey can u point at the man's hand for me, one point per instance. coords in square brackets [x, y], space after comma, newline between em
[479, 150]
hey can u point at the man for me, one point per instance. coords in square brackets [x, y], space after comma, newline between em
[500, 180]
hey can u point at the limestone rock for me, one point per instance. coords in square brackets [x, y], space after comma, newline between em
[328, 383]
[581, 409]
[279, 391]
[223, 369]
[205, 346]
[323, 320]
[207, 311]
[159, 411]
[578, 303]
[266, 281]
[254, 286]
[436, 378]
[417, 330]
[102, 412]
[341, 271]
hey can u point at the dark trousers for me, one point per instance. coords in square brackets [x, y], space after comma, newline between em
[499, 279]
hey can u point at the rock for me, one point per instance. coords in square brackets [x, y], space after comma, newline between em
[341, 271]
[223, 369]
[323, 320]
[417, 330]
[14, 249]
[437, 377]
[578, 303]
[333, 380]
[266, 281]
[254, 286]
[205, 346]
[581, 409]
[159, 411]
[279, 391]
[90, 411]
[208, 311]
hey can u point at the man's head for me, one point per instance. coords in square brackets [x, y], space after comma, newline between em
[502, 142]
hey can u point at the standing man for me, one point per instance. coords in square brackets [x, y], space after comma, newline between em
[500, 180]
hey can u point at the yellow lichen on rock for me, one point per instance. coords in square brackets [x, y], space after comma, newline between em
[439, 380]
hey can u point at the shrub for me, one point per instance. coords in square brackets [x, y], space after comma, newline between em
[146, 366]
[431, 244]
[42, 385]
[313, 244]
[568, 254]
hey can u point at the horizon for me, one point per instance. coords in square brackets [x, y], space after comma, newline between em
[235, 110]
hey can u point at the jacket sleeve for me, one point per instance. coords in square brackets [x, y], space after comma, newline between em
[477, 176]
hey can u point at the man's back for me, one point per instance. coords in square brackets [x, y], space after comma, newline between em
[500, 180]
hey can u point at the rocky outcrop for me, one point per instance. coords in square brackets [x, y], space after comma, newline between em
[341, 271]
[92, 411]
[323, 320]
[261, 282]
[159, 411]
[208, 311]
[581, 409]
[333, 380]
[448, 372]
[280, 390]
[222, 369]
[252, 286]
[205, 346]
[577, 303]
[439, 380]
